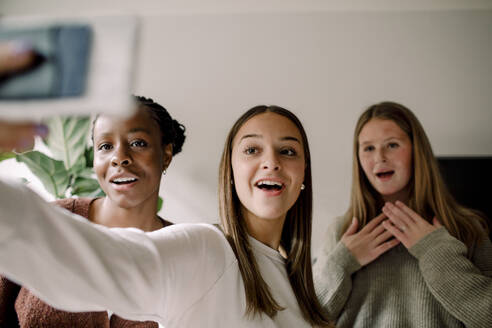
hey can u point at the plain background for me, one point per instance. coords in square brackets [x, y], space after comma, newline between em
[209, 61]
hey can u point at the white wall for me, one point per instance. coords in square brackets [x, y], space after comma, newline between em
[325, 64]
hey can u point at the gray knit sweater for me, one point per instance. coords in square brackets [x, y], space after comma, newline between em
[431, 285]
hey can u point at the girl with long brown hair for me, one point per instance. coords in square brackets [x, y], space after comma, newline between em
[405, 254]
[252, 271]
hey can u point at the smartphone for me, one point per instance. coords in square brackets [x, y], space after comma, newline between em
[84, 65]
[62, 54]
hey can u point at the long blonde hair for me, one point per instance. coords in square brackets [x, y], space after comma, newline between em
[429, 195]
[295, 239]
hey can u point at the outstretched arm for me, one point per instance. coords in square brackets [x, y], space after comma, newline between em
[78, 266]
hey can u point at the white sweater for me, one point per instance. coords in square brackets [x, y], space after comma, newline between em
[184, 275]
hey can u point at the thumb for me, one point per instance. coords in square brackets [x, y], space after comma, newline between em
[352, 228]
[436, 223]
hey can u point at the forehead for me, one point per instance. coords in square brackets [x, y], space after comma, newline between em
[269, 126]
[142, 120]
[377, 129]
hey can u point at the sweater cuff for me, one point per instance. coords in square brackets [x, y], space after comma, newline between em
[344, 258]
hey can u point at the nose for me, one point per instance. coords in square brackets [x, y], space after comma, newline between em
[121, 157]
[271, 161]
[381, 155]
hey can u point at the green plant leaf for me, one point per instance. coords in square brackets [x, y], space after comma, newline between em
[52, 173]
[87, 173]
[78, 166]
[160, 202]
[8, 155]
[89, 156]
[68, 139]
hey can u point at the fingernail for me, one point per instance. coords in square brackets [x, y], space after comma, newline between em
[20, 47]
[42, 130]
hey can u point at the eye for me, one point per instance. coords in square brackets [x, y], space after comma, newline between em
[368, 148]
[250, 150]
[288, 152]
[393, 145]
[105, 146]
[138, 143]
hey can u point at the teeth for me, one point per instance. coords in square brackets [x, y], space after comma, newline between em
[121, 180]
[269, 183]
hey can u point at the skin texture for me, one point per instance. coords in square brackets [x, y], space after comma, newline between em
[406, 225]
[385, 147]
[267, 147]
[370, 242]
[15, 57]
[129, 148]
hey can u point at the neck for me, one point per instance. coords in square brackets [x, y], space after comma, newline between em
[266, 231]
[402, 195]
[106, 212]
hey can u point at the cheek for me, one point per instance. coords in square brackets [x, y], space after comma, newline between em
[241, 173]
[409, 166]
[99, 168]
[405, 159]
[366, 165]
[299, 170]
[154, 162]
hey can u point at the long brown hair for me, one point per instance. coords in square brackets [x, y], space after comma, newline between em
[295, 239]
[429, 195]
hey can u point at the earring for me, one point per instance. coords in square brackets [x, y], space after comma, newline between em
[303, 187]
[164, 172]
[232, 182]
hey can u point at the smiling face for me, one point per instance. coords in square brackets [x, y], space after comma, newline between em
[268, 165]
[129, 158]
[385, 154]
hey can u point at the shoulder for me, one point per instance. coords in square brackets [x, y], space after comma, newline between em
[78, 206]
[193, 246]
[335, 228]
[332, 235]
[192, 235]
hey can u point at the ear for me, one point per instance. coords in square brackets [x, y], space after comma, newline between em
[167, 155]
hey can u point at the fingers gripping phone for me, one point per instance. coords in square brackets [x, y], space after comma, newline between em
[82, 66]
[60, 67]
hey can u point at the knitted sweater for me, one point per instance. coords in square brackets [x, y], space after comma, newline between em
[185, 275]
[20, 308]
[433, 284]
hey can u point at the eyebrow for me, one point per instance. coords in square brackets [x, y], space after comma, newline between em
[134, 130]
[385, 140]
[260, 136]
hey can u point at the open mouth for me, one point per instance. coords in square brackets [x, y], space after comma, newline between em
[123, 181]
[269, 185]
[386, 174]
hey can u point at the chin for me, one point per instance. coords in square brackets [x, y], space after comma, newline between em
[270, 214]
[124, 202]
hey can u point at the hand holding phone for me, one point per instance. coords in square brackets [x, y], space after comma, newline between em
[81, 66]
[15, 57]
